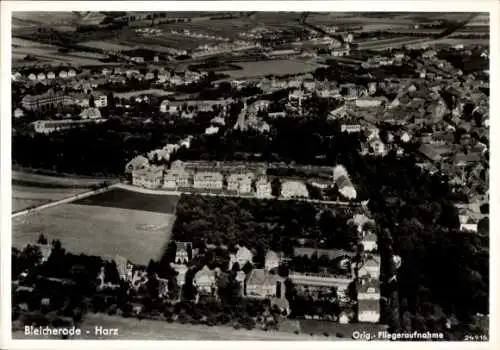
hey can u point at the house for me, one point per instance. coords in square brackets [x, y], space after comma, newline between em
[149, 76]
[272, 260]
[293, 188]
[51, 75]
[63, 74]
[208, 180]
[205, 280]
[90, 113]
[211, 130]
[243, 255]
[148, 177]
[71, 73]
[18, 113]
[369, 311]
[122, 266]
[32, 76]
[17, 76]
[181, 270]
[41, 76]
[369, 266]
[101, 101]
[164, 106]
[350, 126]
[378, 147]
[139, 162]
[45, 251]
[368, 288]
[405, 137]
[345, 187]
[183, 252]
[343, 318]
[240, 182]
[261, 284]
[369, 241]
[263, 188]
[175, 178]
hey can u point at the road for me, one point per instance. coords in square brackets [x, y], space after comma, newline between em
[178, 193]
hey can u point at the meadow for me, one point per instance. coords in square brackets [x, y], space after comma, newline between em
[26, 196]
[95, 230]
[273, 67]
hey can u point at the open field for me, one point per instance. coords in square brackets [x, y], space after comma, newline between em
[453, 41]
[24, 197]
[95, 230]
[126, 199]
[273, 67]
[56, 181]
[155, 92]
[106, 45]
[133, 329]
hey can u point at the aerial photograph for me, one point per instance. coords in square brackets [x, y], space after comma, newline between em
[293, 176]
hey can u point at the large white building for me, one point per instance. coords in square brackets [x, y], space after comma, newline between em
[294, 188]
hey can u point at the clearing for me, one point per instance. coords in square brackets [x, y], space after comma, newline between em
[273, 67]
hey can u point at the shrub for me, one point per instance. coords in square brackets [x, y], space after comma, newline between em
[339, 335]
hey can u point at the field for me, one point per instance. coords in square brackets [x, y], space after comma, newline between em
[125, 199]
[95, 230]
[155, 92]
[106, 45]
[50, 54]
[24, 197]
[133, 329]
[274, 67]
[30, 189]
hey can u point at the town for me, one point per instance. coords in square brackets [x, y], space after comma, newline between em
[315, 178]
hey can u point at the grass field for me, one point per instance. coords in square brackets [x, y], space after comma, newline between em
[125, 199]
[95, 230]
[56, 181]
[26, 196]
[274, 67]
[106, 45]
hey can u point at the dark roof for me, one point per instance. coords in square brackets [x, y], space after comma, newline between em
[331, 253]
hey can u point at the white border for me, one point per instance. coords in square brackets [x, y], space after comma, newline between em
[7, 7]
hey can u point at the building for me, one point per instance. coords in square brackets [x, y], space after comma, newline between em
[41, 76]
[181, 270]
[63, 74]
[51, 75]
[71, 73]
[369, 241]
[368, 288]
[90, 113]
[350, 126]
[175, 178]
[205, 281]
[369, 266]
[261, 284]
[139, 162]
[18, 113]
[242, 257]
[293, 188]
[148, 177]
[50, 126]
[272, 260]
[345, 187]
[208, 180]
[240, 183]
[263, 188]
[183, 252]
[369, 311]
[50, 99]
[101, 102]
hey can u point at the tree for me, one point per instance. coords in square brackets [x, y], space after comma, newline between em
[42, 239]
[91, 101]
[247, 268]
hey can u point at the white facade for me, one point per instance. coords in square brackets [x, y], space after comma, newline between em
[370, 316]
[294, 189]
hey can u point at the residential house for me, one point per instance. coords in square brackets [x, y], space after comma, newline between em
[71, 73]
[369, 241]
[263, 188]
[272, 260]
[148, 177]
[48, 99]
[122, 266]
[149, 76]
[369, 311]
[261, 284]
[90, 113]
[405, 137]
[175, 178]
[350, 126]
[368, 288]
[181, 270]
[139, 162]
[63, 74]
[211, 130]
[378, 147]
[294, 188]
[242, 257]
[41, 76]
[51, 75]
[343, 318]
[164, 106]
[345, 187]
[102, 101]
[18, 113]
[240, 183]
[208, 180]
[183, 252]
[369, 265]
[205, 281]
[32, 76]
